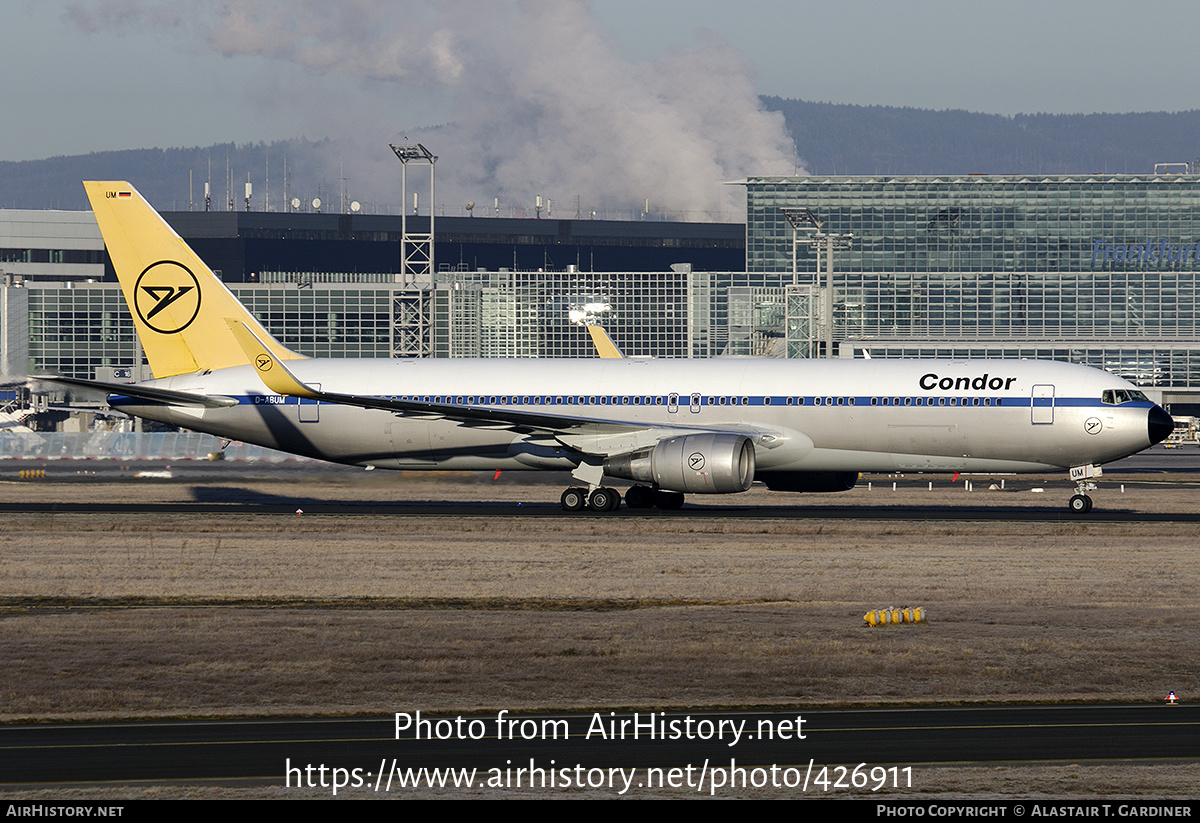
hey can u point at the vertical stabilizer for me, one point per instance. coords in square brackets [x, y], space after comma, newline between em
[605, 347]
[179, 306]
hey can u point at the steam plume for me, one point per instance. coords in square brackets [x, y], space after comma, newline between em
[536, 98]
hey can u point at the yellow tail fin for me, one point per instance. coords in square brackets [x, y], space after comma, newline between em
[179, 306]
[605, 347]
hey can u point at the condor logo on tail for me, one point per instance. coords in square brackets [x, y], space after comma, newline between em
[167, 297]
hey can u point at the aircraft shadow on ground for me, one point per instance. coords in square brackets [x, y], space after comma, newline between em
[252, 499]
[240, 495]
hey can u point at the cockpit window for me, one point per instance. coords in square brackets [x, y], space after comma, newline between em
[1115, 397]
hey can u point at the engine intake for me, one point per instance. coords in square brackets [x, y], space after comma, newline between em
[693, 463]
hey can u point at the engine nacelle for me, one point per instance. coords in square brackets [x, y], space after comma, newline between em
[693, 463]
[809, 481]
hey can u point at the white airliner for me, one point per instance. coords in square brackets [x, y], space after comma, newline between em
[674, 427]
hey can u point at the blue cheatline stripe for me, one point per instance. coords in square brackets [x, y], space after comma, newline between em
[808, 402]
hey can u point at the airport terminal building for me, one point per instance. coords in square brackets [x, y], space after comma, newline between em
[1094, 269]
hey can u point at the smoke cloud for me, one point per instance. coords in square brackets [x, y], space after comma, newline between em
[535, 98]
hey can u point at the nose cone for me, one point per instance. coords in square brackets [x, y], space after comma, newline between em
[1159, 425]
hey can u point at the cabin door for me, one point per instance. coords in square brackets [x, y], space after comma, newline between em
[1042, 404]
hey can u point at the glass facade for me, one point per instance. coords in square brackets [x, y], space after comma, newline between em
[72, 331]
[983, 223]
[75, 331]
[537, 314]
[1098, 269]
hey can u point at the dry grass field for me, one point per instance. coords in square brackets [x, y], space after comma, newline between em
[229, 614]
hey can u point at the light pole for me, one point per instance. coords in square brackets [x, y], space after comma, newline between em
[806, 220]
[416, 250]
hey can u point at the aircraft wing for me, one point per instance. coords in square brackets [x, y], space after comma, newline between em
[593, 435]
[169, 396]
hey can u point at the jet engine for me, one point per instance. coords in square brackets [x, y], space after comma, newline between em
[693, 463]
[809, 481]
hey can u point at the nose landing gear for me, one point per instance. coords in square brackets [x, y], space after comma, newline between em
[1080, 503]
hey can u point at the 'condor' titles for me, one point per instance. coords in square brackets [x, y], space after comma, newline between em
[932, 381]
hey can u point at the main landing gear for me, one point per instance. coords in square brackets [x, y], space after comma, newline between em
[600, 499]
[604, 499]
[645, 497]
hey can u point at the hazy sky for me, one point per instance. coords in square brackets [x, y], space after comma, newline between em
[613, 100]
[134, 81]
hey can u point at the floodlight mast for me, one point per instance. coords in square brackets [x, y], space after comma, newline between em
[416, 250]
[806, 220]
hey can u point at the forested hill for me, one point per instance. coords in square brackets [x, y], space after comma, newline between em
[162, 174]
[830, 138]
[833, 138]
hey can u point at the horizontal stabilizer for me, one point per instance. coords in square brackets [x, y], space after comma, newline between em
[169, 396]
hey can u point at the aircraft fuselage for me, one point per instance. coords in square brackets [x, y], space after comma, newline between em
[801, 415]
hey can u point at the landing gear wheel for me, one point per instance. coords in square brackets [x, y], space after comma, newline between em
[639, 497]
[574, 499]
[1080, 504]
[668, 501]
[603, 500]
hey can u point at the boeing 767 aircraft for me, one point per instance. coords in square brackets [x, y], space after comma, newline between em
[674, 427]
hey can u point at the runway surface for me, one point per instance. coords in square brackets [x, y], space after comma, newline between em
[259, 751]
[220, 487]
[689, 512]
[255, 751]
